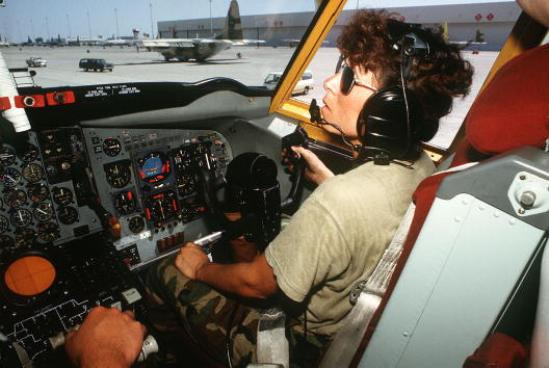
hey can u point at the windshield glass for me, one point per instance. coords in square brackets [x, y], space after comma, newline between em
[153, 40]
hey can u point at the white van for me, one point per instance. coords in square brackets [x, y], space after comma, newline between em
[303, 86]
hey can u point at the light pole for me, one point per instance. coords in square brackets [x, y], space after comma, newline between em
[69, 25]
[152, 22]
[116, 19]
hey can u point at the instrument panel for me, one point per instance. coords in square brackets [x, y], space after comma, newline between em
[156, 183]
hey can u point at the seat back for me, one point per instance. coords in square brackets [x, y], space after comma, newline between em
[448, 284]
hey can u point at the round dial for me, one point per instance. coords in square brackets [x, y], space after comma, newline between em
[16, 198]
[6, 241]
[161, 207]
[125, 202]
[4, 224]
[186, 184]
[43, 212]
[11, 177]
[7, 156]
[48, 231]
[118, 173]
[33, 172]
[31, 154]
[24, 237]
[67, 215]
[38, 192]
[154, 167]
[21, 217]
[136, 224]
[62, 196]
[111, 146]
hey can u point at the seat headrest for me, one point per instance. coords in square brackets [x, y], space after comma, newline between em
[513, 110]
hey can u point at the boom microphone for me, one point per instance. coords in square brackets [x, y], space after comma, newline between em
[316, 117]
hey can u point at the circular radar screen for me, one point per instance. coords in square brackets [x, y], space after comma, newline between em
[29, 276]
[154, 167]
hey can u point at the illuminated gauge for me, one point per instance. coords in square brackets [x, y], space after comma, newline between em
[33, 173]
[112, 147]
[185, 184]
[11, 177]
[48, 232]
[125, 202]
[38, 192]
[31, 154]
[161, 207]
[43, 212]
[21, 217]
[118, 173]
[154, 167]
[6, 242]
[136, 224]
[62, 196]
[24, 237]
[183, 159]
[15, 198]
[67, 215]
[4, 224]
[7, 156]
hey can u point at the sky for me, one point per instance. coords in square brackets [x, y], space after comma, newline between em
[70, 18]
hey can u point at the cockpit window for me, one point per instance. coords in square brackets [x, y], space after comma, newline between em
[155, 40]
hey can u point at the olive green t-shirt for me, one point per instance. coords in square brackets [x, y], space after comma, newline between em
[339, 234]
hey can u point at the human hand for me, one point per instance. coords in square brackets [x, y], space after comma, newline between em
[107, 338]
[315, 170]
[190, 260]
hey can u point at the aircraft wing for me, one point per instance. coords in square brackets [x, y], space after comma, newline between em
[248, 42]
[164, 43]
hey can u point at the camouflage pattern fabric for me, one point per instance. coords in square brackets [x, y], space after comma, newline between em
[182, 309]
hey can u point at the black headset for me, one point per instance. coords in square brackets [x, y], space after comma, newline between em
[390, 124]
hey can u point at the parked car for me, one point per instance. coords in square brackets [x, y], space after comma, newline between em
[303, 86]
[95, 65]
[36, 62]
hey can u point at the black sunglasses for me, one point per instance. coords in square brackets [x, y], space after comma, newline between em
[348, 78]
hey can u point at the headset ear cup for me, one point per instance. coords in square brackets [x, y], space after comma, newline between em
[382, 124]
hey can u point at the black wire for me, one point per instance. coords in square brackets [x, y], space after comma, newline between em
[406, 106]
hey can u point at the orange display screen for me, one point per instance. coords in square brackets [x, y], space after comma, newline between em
[29, 275]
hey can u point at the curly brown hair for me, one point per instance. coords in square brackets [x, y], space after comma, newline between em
[435, 79]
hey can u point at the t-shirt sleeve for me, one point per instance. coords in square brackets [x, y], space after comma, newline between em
[310, 250]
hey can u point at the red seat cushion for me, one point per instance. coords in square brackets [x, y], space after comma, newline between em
[513, 110]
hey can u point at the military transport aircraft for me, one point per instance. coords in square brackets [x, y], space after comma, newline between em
[99, 182]
[200, 49]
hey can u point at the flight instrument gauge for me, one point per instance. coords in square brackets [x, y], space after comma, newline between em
[161, 207]
[21, 217]
[43, 212]
[62, 196]
[118, 173]
[4, 224]
[15, 198]
[48, 231]
[7, 156]
[31, 154]
[11, 177]
[33, 172]
[67, 215]
[154, 167]
[136, 224]
[38, 192]
[111, 147]
[125, 202]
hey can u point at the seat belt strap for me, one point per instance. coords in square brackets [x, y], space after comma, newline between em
[272, 345]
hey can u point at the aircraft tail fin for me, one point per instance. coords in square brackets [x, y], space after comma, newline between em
[233, 25]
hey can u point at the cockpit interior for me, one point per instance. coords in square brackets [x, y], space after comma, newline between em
[112, 178]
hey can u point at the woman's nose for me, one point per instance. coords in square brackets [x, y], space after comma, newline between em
[332, 83]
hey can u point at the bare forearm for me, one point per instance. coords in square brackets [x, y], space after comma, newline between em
[249, 280]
